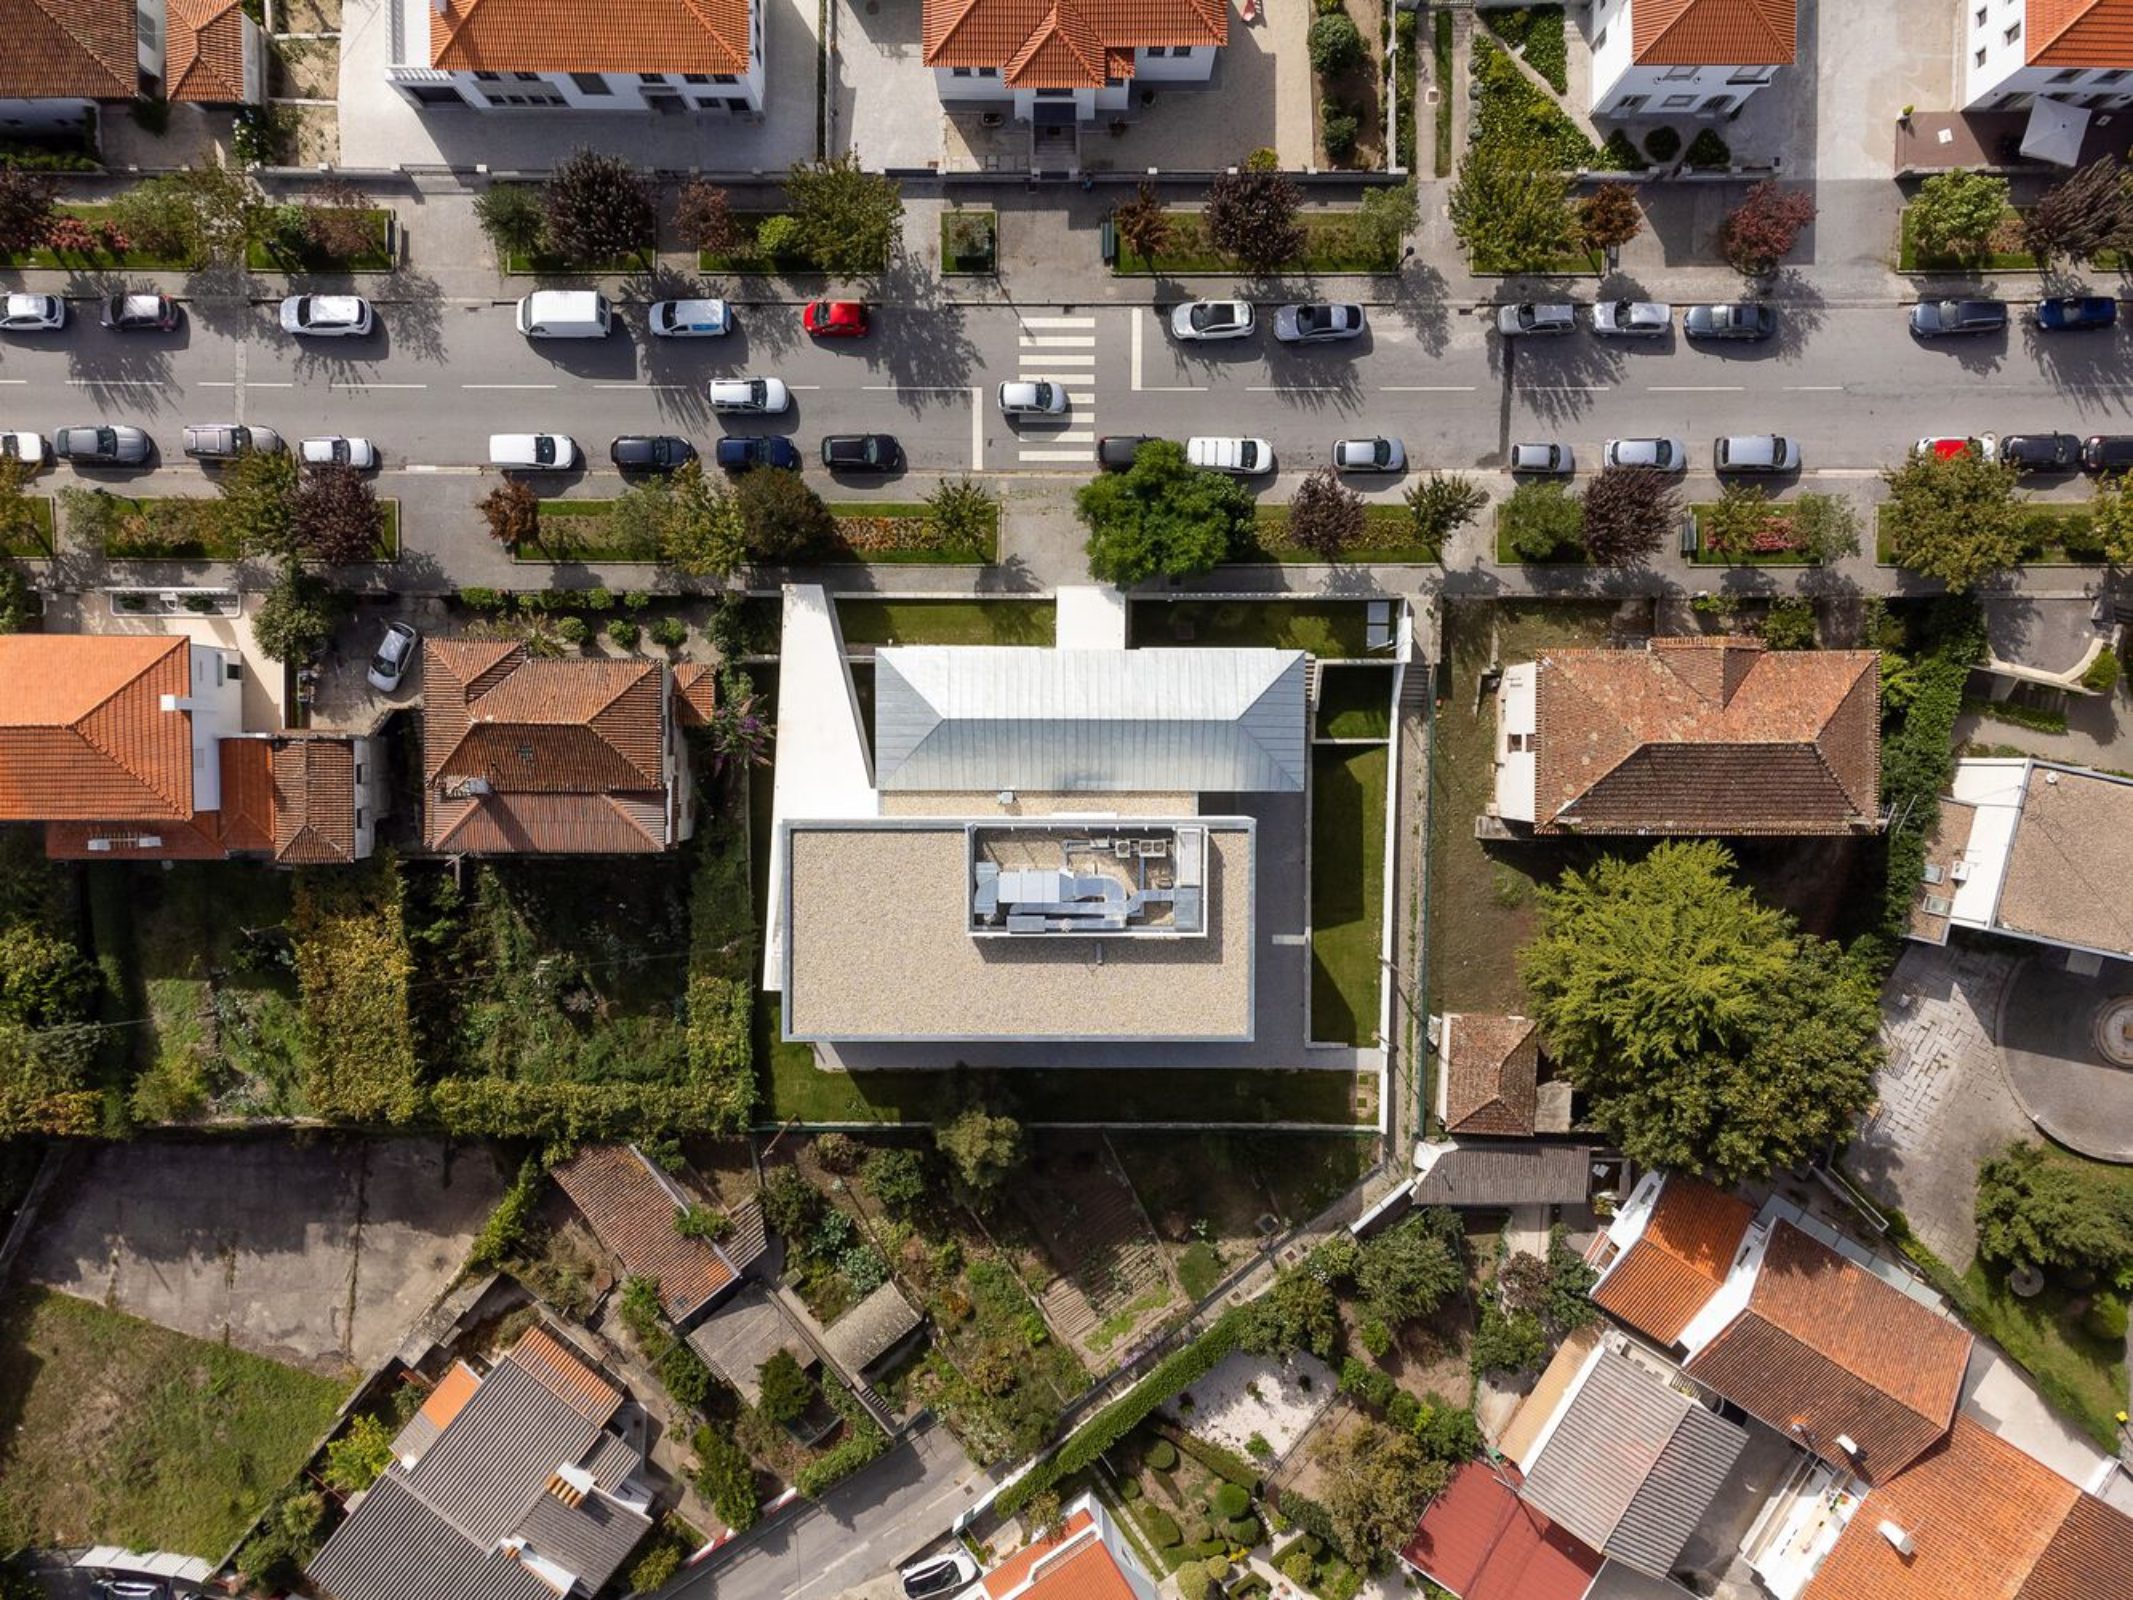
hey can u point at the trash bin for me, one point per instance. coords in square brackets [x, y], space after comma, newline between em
[1108, 237]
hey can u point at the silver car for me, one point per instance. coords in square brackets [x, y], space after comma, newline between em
[389, 665]
[1318, 324]
[1021, 398]
[1660, 455]
[1530, 319]
[1199, 320]
[1369, 455]
[109, 444]
[226, 441]
[1541, 457]
[1755, 452]
[326, 315]
[1632, 319]
[338, 450]
[33, 313]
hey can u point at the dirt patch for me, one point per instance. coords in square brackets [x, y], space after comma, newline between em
[1356, 94]
[306, 16]
[304, 69]
[314, 134]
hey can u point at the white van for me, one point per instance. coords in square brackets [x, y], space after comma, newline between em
[533, 452]
[565, 314]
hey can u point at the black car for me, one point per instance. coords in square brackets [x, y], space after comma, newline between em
[2108, 452]
[742, 452]
[862, 452]
[650, 452]
[2076, 313]
[1115, 451]
[1745, 320]
[2040, 452]
[1940, 319]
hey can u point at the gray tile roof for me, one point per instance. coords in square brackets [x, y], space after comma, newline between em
[591, 1538]
[499, 1452]
[866, 1332]
[1503, 1172]
[1632, 1464]
[973, 718]
[393, 1547]
[741, 1335]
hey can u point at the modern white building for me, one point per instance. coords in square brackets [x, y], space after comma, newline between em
[1686, 58]
[2079, 52]
[670, 56]
[1062, 62]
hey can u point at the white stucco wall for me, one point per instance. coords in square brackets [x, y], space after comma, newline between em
[1194, 67]
[973, 83]
[1996, 70]
[1666, 91]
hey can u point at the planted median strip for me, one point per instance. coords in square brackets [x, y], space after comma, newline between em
[183, 528]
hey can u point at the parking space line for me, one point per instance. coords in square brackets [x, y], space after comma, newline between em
[1425, 388]
[507, 386]
[1565, 388]
[663, 386]
[1695, 388]
[338, 384]
[1293, 388]
[977, 429]
[1056, 455]
[1814, 388]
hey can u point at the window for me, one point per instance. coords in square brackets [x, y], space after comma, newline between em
[2109, 77]
[2013, 31]
[232, 671]
[651, 77]
[958, 72]
[488, 77]
[1981, 56]
[696, 77]
[1677, 102]
[1673, 73]
[150, 28]
[988, 72]
[359, 772]
[2070, 75]
[1630, 103]
[736, 103]
[1599, 41]
[1113, 83]
[590, 83]
[1982, 14]
[1181, 49]
[1055, 94]
[724, 77]
[527, 77]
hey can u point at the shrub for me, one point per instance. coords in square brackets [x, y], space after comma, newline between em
[1192, 1581]
[1707, 149]
[513, 512]
[1541, 521]
[1375, 1337]
[787, 1391]
[655, 1569]
[510, 214]
[2102, 674]
[863, 1440]
[724, 1477]
[1366, 1383]
[670, 632]
[1618, 154]
[1337, 130]
[685, 1376]
[1790, 623]
[1161, 1525]
[1130, 1489]
[2105, 1319]
[624, 632]
[1231, 1500]
[1259, 1446]
[482, 599]
[777, 235]
[896, 1178]
[573, 630]
[1662, 144]
[1247, 1531]
[511, 1225]
[1335, 44]
[1263, 159]
[354, 1460]
[597, 208]
[1162, 1456]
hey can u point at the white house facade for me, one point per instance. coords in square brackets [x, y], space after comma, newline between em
[1687, 58]
[2077, 51]
[1067, 61]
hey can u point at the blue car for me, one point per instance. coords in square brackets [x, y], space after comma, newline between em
[2076, 313]
[738, 454]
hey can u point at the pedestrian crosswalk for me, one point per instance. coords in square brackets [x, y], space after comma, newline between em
[1060, 350]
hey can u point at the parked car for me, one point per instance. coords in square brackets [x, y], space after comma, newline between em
[564, 314]
[739, 453]
[338, 450]
[1025, 399]
[1632, 319]
[2075, 313]
[1369, 455]
[1943, 446]
[649, 452]
[115, 1588]
[226, 441]
[1542, 457]
[1200, 320]
[2108, 452]
[1241, 457]
[1534, 318]
[757, 396]
[388, 664]
[1755, 452]
[32, 313]
[862, 452]
[533, 452]
[1662, 455]
[1115, 451]
[835, 319]
[110, 444]
[1743, 319]
[1941, 319]
[690, 319]
[326, 315]
[1318, 323]
[2040, 452]
[136, 313]
[19, 446]
[939, 1576]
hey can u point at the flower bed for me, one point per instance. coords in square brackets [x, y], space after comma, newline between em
[1388, 540]
[194, 528]
[1774, 544]
[870, 534]
[100, 249]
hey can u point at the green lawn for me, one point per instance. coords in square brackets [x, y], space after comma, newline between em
[537, 264]
[1388, 540]
[750, 259]
[1355, 703]
[876, 534]
[37, 543]
[121, 1432]
[1570, 264]
[262, 257]
[94, 260]
[1329, 246]
[1347, 890]
[1323, 627]
[947, 621]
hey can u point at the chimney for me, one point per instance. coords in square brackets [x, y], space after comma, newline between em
[1846, 1443]
[175, 702]
[1905, 1545]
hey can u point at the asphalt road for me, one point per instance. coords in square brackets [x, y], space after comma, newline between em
[439, 376]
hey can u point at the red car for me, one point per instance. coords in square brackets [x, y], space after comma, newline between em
[835, 319]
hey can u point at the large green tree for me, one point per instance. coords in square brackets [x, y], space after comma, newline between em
[1161, 517]
[1376, 1481]
[1954, 518]
[1511, 206]
[1956, 213]
[1705, 1030]
[849, 220]
[2053, 1210]
[1408, 1271]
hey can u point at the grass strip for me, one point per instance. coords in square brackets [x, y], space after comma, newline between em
[96, 259]
[218, 545]
[2042, 547]
[1347, 890]
[1388, 540]
[1024, 622]
[264, 256]
[1332, 628]
[1330, 245]
[570, 531]
[36, 542]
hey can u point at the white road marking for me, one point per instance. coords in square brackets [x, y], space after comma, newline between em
[1136, 316]
[1080, 399]
[1173, 388]
[1814, 388]
[455, 471]
[111, 383]
[1071, 436]
[1565, 388]
[917, 388]
[1057, 341]
[252, 383]
[1293, 388]
[216, 383]
[358, 387]
[1057, 322]
[1695, 388]
[1425, 388]
[1056, 455]
[507, 386]
[977, 430]
[14, 380]
[1060, 358]
[653, 386]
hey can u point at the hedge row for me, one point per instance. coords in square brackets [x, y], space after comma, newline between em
[1308, 1515]
[1224, 1464]
[863, 1440]
[1917, 761]
[572, 1113]
[1171, 1375]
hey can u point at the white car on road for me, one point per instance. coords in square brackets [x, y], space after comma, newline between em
[533, 452]
[1660, 455]
[1242, 457]
[1632, 319]
[20, 446]
[1040, 399]
[338, 450]
[33, 313]
[690, 319]
[326, 315]
[1202, 320]
[760, 396]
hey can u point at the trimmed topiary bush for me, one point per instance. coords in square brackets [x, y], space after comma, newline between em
[1230, 1500]
[1707, 149]
[1162, 1456]
[1662, 144]
[1162, 1527]
[1192, 1581]
[2105, 1319]
[670, 632]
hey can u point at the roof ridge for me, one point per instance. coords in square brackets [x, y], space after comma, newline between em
[702, 14]
[1748, 9]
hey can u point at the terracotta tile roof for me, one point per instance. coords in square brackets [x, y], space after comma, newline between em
[197, 839]
[563, 1373]
[1482, 1542]
[1980, 1513]
[1713, 33]
[2080, 33]
[1066, 1568]
[2090, 1554]
[1827, 1345]
[572, 752]
[695, 693]
[1491, 1073]
[453, 1390]
[83, 736]
[314, 801]
[247, 794]
[1064, 44]
[632, 1211]
[204, 51]
[1708, 736]
[1663, 1280]
[68, 49]
[566, 36]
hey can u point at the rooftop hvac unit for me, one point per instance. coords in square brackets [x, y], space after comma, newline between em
[1904, 1544]
[1960, 872]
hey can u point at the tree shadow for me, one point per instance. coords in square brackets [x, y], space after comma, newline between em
[124, 369]
[414, 316]
[227, 298]
[925, 344]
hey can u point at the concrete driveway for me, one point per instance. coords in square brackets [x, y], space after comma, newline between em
[318, 1254]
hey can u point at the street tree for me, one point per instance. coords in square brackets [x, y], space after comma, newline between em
[1626, 514]
[2081, 215]
[513, 513]
[1325, 516]
[1541, 521]
[338, 518]
[1443, 503]
[25, 207]
[782, 519]
[1142, 224]
[2111, 518]
[1609, 217]
[1383, 220]
[297, 617]
[1761, 231]
[1160, 517]
[1956, 213]
[1376, 1481]
[597, 208]
[704, 535]
[848, 219]
[1705, 1031]
[1252, 216]
[259, 503]
[1511, 206]
[704, 219]
[1953, 517]
[512, 216]
[1825, 526]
